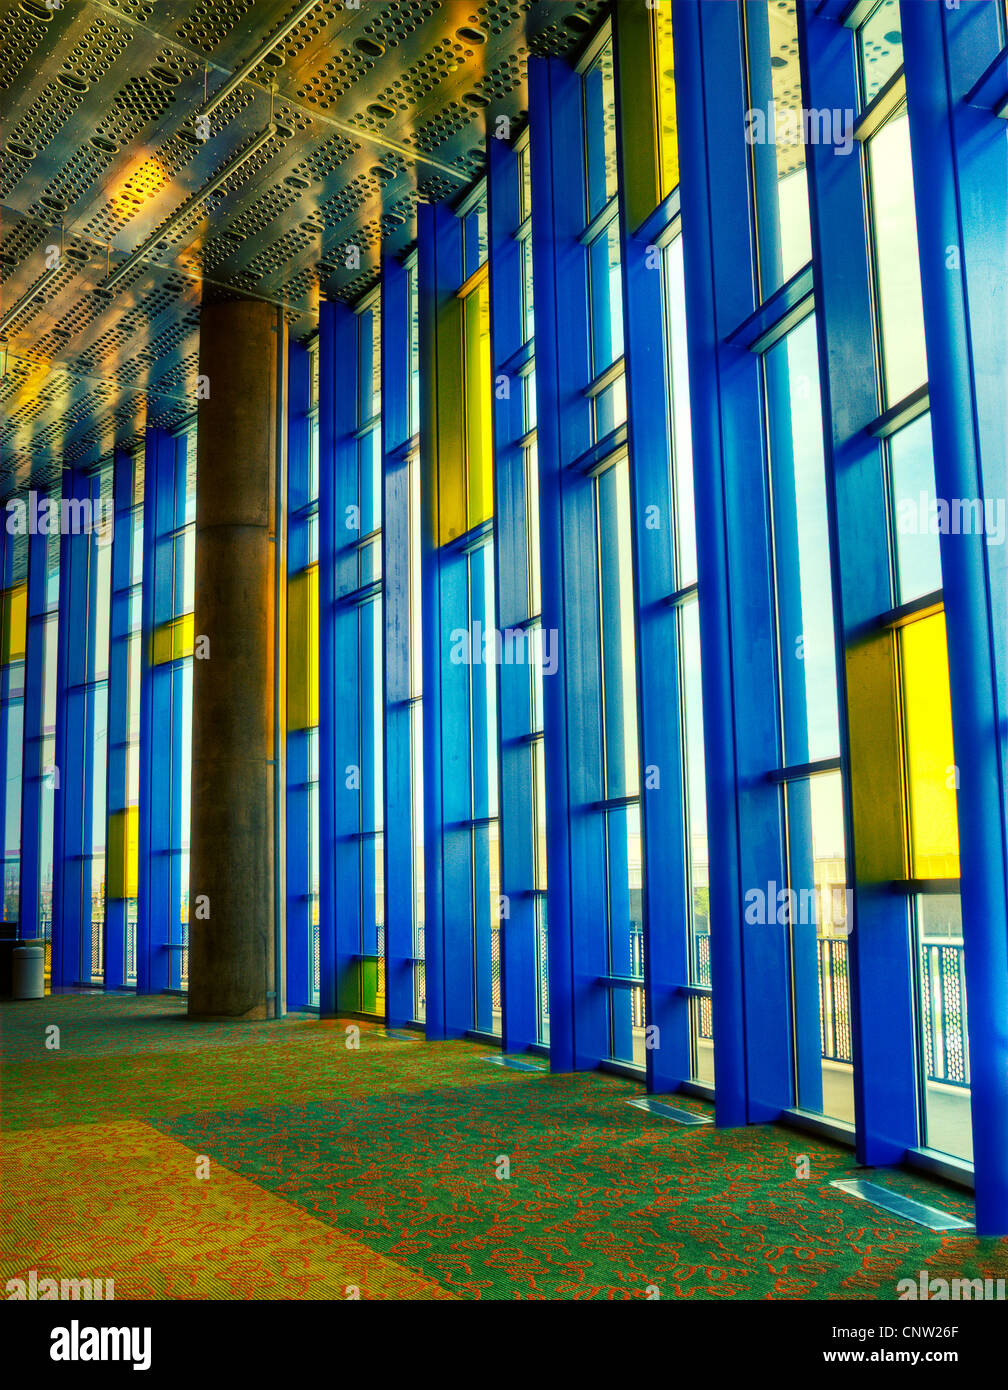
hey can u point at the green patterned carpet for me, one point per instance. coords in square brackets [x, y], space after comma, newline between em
[429, 1171]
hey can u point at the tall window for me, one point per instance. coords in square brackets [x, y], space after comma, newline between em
[366, 599]
[534, 600]
[602, 242]
[302, 683]
[174, 542]
[416, 656]
[41, 776]
[473, 626]
[618, 772]
[85, 708]
[124, 721]
[813, 907]
[13, 632]
[912, 633]
[684, 600]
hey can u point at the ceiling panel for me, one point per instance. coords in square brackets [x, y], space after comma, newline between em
[127, 192]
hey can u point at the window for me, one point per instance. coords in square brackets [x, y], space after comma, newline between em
[775, 129]
[607, 389]
[898, 306]
[880, 49]
[363, 629]
[302, 678]
[814, 909]
[914, 631]
[807, 656]
[172, 602]
[533, 604]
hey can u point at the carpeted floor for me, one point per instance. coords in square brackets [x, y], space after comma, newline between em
[269, 1160]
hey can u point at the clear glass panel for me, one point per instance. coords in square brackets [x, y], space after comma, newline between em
[527, 294]
[618, 639]
[943, 1029]
[474, 237]
[525, 183]
[610, 407]
[369, 466]
[918, 556]
[897, 267]
[417, 810]
[415, 602]
[816, 906]
[626, 931]
[880, 49]
[600, 132]
[539, 814]
[542, 969]
[532, 529]
[775, 130]
[679, 401]
[696, 790]
[801, 549]
[414, 316]
[606, 299]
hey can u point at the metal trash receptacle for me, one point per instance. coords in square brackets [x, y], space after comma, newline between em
[28, 971]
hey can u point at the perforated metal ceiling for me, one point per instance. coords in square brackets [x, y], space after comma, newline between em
[375, 106]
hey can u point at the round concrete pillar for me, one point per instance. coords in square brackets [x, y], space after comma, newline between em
[232, 932]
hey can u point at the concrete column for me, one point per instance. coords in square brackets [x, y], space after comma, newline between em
[232, 950]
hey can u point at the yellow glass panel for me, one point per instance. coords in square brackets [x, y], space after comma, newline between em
[478, 405]
[647, 106]
[182, 636]
[161, 645]
[668, 137]
[302, 649]
[930, 755]
[14, 619]
[173, 640]
[122, 855]
[876, 774]
[451, 519]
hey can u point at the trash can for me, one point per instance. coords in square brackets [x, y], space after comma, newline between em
[28, 971]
